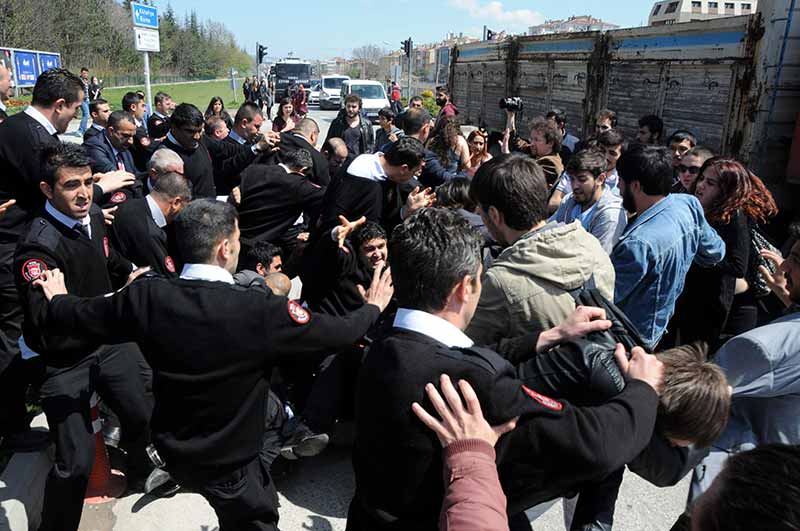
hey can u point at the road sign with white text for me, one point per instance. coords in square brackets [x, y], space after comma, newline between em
[147, 40]
[144, 16]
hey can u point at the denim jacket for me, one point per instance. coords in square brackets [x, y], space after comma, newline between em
[652, 257]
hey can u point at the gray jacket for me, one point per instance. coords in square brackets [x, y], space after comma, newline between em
[608, 220]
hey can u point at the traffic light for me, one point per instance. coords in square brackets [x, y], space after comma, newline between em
[489, 35]
[262, 53]
[407, 46]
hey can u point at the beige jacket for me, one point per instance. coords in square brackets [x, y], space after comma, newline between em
[527, 288]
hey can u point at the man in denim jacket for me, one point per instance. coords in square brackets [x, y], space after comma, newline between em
[668, 233]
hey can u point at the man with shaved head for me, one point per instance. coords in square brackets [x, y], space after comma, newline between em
[305, 135]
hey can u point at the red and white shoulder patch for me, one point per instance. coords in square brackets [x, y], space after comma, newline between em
[33, 269]
[119, 197]
[106, 248]
[298, 314]
[169, 264]
[546, 401]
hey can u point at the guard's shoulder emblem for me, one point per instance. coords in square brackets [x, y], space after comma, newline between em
[33, 269]
[169, 264]
[298, 314]
[546, 401]
[119, 197]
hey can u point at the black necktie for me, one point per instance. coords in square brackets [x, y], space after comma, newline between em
[83, 229]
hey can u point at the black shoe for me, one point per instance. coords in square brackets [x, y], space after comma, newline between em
[160, 484]
[26, 441]
[304, 443]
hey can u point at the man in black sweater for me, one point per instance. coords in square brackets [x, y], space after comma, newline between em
[371, 187]
[199, 151]
[70, 236]
[158, 122]
[274, 197]
[138, 229]
[305, 136]
[57, 97]
[99, 110]
[436, 266]
[208, 421]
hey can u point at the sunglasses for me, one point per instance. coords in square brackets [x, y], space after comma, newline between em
[694, 170]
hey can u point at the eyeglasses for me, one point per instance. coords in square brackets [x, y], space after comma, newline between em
[694, 170]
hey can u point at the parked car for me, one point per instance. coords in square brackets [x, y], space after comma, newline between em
[313, 94]
[372, 93]
[330, 91]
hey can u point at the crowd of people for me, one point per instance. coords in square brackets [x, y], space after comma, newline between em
[507, 320]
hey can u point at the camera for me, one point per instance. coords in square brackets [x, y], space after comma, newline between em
[511, 104]
[257, 138]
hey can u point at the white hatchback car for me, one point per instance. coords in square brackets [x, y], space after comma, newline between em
[372, 93]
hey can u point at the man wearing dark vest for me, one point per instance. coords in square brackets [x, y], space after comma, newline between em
[70, 235]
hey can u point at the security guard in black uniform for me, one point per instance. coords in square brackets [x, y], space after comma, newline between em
[212, 345]
[138, 229]
[70, 235]
[436, 262]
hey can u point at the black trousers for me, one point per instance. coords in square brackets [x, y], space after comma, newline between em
[244, 499]
[15, 372]
[333, 390]
[115, 373]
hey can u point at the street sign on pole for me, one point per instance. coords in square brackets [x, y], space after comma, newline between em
[145, 22]
[147, 40]
[144, 16]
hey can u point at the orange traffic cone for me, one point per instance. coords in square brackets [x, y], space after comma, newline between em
[105, 484]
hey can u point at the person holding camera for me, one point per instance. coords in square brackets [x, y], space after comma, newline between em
[544, 145]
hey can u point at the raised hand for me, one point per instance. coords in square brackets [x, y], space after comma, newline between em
[419, 199]
[346, 228]
[642, 366]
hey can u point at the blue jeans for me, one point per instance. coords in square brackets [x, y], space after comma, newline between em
[85, 117]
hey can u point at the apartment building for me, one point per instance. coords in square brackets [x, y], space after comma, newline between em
[676, 11]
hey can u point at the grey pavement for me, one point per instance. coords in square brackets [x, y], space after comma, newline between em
[315, 495]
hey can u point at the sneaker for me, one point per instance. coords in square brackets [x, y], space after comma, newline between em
[304, 443]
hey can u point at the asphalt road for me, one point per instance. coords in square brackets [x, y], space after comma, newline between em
[314, 495]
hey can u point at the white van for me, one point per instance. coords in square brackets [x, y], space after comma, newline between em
[372, 93]
[330, 91]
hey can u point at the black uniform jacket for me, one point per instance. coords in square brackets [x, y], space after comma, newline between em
[212, 347]
[87, 266]
[272, 200]
[158, 126]
[22, 140]
[137, 237]
[331, 277]
[555, 446]
[291, 142]
[229, 159]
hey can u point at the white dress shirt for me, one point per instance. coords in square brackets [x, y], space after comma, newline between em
[155, 212]
[206, 272]
[432, 326]
[39, 117]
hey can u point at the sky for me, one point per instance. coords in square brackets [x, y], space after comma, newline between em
[323, 29]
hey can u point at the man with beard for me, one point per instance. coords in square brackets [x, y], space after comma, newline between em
[354, 129]
[591, 202]
[669, 233]
[443, 101]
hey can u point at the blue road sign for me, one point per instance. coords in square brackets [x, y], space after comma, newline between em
[144, 16]
[48, 61]
[26, 68]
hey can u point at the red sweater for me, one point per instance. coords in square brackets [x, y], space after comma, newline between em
[474, 500]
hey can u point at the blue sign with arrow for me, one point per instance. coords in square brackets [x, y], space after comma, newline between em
[144, 16]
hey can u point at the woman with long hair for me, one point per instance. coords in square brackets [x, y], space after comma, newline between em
[285, 118]
[216, 107]
[300, 101]
[478, 150]
[716, 302]
[449, 145]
